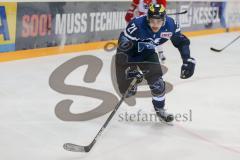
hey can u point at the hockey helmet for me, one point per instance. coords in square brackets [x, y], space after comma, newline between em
[156, 11]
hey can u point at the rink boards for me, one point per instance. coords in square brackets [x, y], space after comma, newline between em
[34, 29]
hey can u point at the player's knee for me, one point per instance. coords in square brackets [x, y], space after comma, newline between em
[158, 87]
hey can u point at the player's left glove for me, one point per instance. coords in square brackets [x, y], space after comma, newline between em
[188, 68]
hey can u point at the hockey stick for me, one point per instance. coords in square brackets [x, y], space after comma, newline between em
[183, 12]
[78, 148]
[220, 50]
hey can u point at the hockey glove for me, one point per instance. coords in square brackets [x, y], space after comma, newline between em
[134, 73]
[188, 68]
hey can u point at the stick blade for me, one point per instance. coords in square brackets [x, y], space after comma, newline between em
[184, 12]
[75, 148]
[215, 50]
[178, 13]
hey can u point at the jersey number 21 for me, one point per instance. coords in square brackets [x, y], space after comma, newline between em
[132, 28]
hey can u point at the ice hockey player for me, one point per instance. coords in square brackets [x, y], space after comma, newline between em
[140, 7]
[136, 49]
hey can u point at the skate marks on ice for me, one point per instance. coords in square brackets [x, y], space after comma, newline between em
[208, 140]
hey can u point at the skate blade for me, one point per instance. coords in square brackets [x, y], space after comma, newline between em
[166, 123]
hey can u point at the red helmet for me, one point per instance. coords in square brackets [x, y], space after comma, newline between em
[147, 1]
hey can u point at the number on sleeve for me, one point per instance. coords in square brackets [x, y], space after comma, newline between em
[132, 28]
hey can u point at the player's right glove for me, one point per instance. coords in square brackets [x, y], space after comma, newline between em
[134, 73]
[188, 68]
[131, 73]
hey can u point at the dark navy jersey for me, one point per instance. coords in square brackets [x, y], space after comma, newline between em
[140, 34]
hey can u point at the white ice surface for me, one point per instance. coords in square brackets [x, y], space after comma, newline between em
[29, 128]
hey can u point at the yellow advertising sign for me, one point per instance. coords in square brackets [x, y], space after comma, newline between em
[8, 13]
